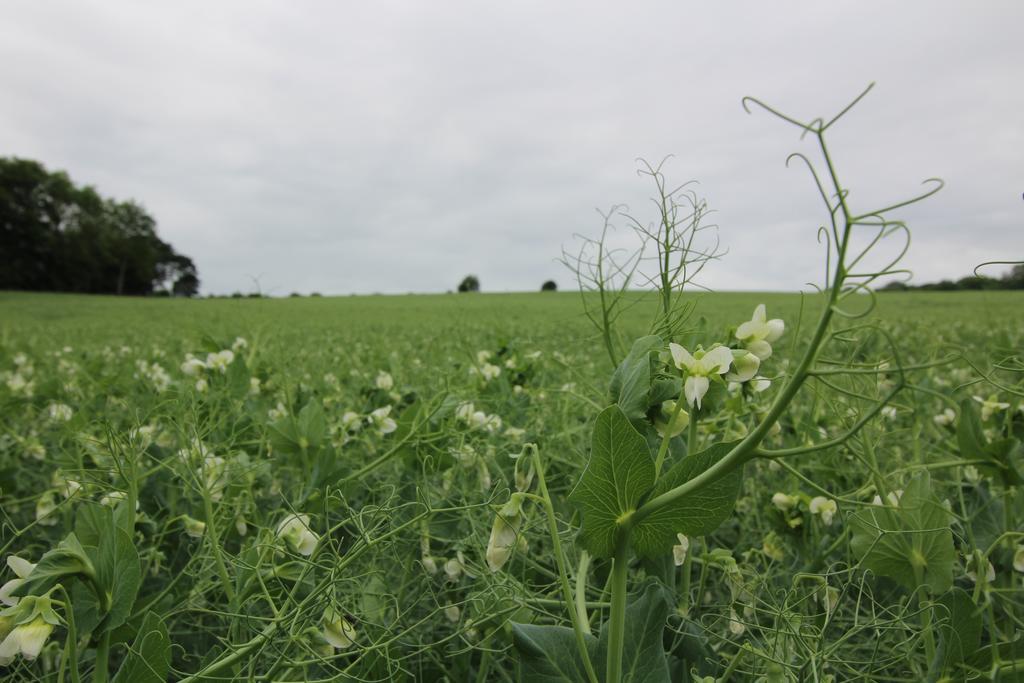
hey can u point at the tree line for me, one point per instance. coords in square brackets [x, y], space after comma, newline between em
[1012, 279]
[60, 237]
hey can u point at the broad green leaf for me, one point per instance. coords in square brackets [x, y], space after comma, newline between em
[112, 553]
[549, 654]
[312, 425]
[67, 559]
[644, 659]
[149, 659]
[959, 626]
[618, 475]
[696, 514]
[969, 434]
[912, 543]
[631, 382]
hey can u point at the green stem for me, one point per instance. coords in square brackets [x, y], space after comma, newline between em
[563, 576]
[100, 672]
[691, 434]
[617, 619]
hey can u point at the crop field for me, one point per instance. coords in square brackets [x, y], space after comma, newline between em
[433, 488]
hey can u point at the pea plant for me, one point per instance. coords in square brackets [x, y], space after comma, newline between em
[667, 456]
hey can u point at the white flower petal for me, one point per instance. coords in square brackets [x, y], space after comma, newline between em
[695, 388]
[682, 358]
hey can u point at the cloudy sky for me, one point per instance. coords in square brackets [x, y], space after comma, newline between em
[396, 146]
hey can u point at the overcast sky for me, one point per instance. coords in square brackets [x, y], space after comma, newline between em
[396, 146]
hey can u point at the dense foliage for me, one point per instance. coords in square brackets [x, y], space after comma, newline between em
[58, 236]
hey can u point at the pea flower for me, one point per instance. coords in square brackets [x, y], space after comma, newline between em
[44, 509]
[34, 620]
[194, 527]
[893, 498]
[680, 549]
[946, 418]
[60, 412]
[192, 366]
[21, 568]
[745, 366]
[699, 366]
[294, 530]
[826, 507]
[972, 572]
[239, 344]
[384, 381]
[784, 502]
[990, 406]
[1018, 559]
[674, 428]
[338, 631]
[220, 361]
[382, 420]
[505, 532]
[758, 333]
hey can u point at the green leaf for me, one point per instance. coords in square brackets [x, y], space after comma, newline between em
[618, 475]
[959, 625]
[631, 382]
[696, 514]
[149, 659]
[644, 659]
[911, 544]
[549, 654]
[312, 425]
[112, 553]
[969, 434]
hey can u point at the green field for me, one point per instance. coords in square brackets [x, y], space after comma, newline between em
[412, 556]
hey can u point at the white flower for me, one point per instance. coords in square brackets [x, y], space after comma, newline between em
[826, 507]
[254, 386]
[757, 333]
[337, 631]
[278, 412]
[482, 357]
[452, 613]
[294, 530]
[946, 418]
[784, 502]
[515, 433]
[681, 421]
[972, 574]
[25, 639]
[679, 550]
[20, 359]
[1018, 559]
[192, 366]
[194, 527]
[990, 406]
[736, 626]
[487, 371]
[19, 385]
[699, 366]
[505, 532]
[60, 412]
[889, 412]
[350, 421]
[385, 381]
[455, 567]
[382, 420]
[44, 509]
[21, 568]
[465, 411]
[239, 344]
[972, 474]
[201, 385]
[745, 366]
[220, 361]
[113, 498]
[893, 498]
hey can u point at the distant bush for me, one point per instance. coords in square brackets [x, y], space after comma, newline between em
[549, 286]
[1014, 279]
[470, 283]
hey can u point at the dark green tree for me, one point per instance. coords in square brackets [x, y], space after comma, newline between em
[549, 286]
[470, 283]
